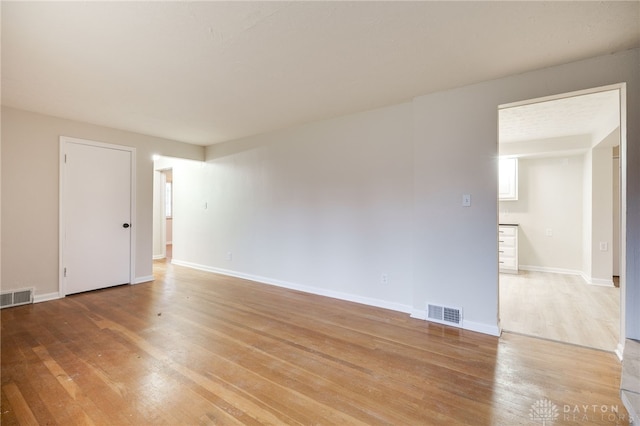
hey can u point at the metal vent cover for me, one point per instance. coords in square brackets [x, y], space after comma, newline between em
[434, 312]
[16, 298]
[6, 299]
[444, 314]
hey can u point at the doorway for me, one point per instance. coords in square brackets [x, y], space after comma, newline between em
[565, 147]
[97, 204]
[168, 213]
[163, 208]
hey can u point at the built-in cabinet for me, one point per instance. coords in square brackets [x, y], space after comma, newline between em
[508, 248]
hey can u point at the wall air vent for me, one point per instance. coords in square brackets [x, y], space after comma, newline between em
[444, 315]
[16, 298]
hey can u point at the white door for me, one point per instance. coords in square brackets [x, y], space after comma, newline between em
[96, 215]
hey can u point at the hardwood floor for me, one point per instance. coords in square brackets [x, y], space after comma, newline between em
[199, 348]
[560, 307]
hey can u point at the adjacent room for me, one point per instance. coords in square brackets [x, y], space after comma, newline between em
[560, 205]
[294, 213]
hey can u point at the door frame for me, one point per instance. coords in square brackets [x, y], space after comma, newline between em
[622, 98]
[64, 141]
[159, 209]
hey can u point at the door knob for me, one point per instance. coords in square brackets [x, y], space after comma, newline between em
[125, 225]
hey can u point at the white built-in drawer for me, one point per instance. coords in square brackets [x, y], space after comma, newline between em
[507, 230]
[509, 262]
[506, 241]
[507, 252]
[508, 248]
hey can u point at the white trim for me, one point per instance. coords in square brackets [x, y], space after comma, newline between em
[134, 211]
[622, 91]
[419, 314]
[399, 307]
[620, 351]
[634, 417]
[562, 96]
[492, 330]
[159, 257]
[163, 212]
[603, 282]
[563, 271]
[140, 280]
[46, 297]
[61, 215]
[622, 87]
[64, 140]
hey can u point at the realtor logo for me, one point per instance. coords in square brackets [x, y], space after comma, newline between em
[544, 411]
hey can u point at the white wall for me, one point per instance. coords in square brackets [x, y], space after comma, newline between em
[602, 219]
[159, 248]
[550, 198]
[455, 247]
[30, 208]
[587, 203]
[455, 152]
[598, 205]
[333, 205]
[325, 207]
[169, 230]
[330, 206]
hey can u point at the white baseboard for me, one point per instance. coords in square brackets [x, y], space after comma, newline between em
[419, 314]
[38, 298]
[139, 280]
[564, 271]
[46, 297]
[492, 330]
[378, 303]
[619, 351]
[399, 307]
[599, 281]
[159, 256]
[585, 277]
[628, 402]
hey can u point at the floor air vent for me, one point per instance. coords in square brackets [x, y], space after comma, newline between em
[444, 315]
[16, 298]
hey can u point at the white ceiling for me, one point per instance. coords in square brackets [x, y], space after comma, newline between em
[569, 124]
[207, 72]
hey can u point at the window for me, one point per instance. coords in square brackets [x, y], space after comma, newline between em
[508, 179]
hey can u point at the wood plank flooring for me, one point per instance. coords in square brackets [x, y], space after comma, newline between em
[198, 348]
[560, 307]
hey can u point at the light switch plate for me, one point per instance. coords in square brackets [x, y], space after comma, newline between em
[466, 200]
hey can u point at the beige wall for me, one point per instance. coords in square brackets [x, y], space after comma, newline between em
[30, 208]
